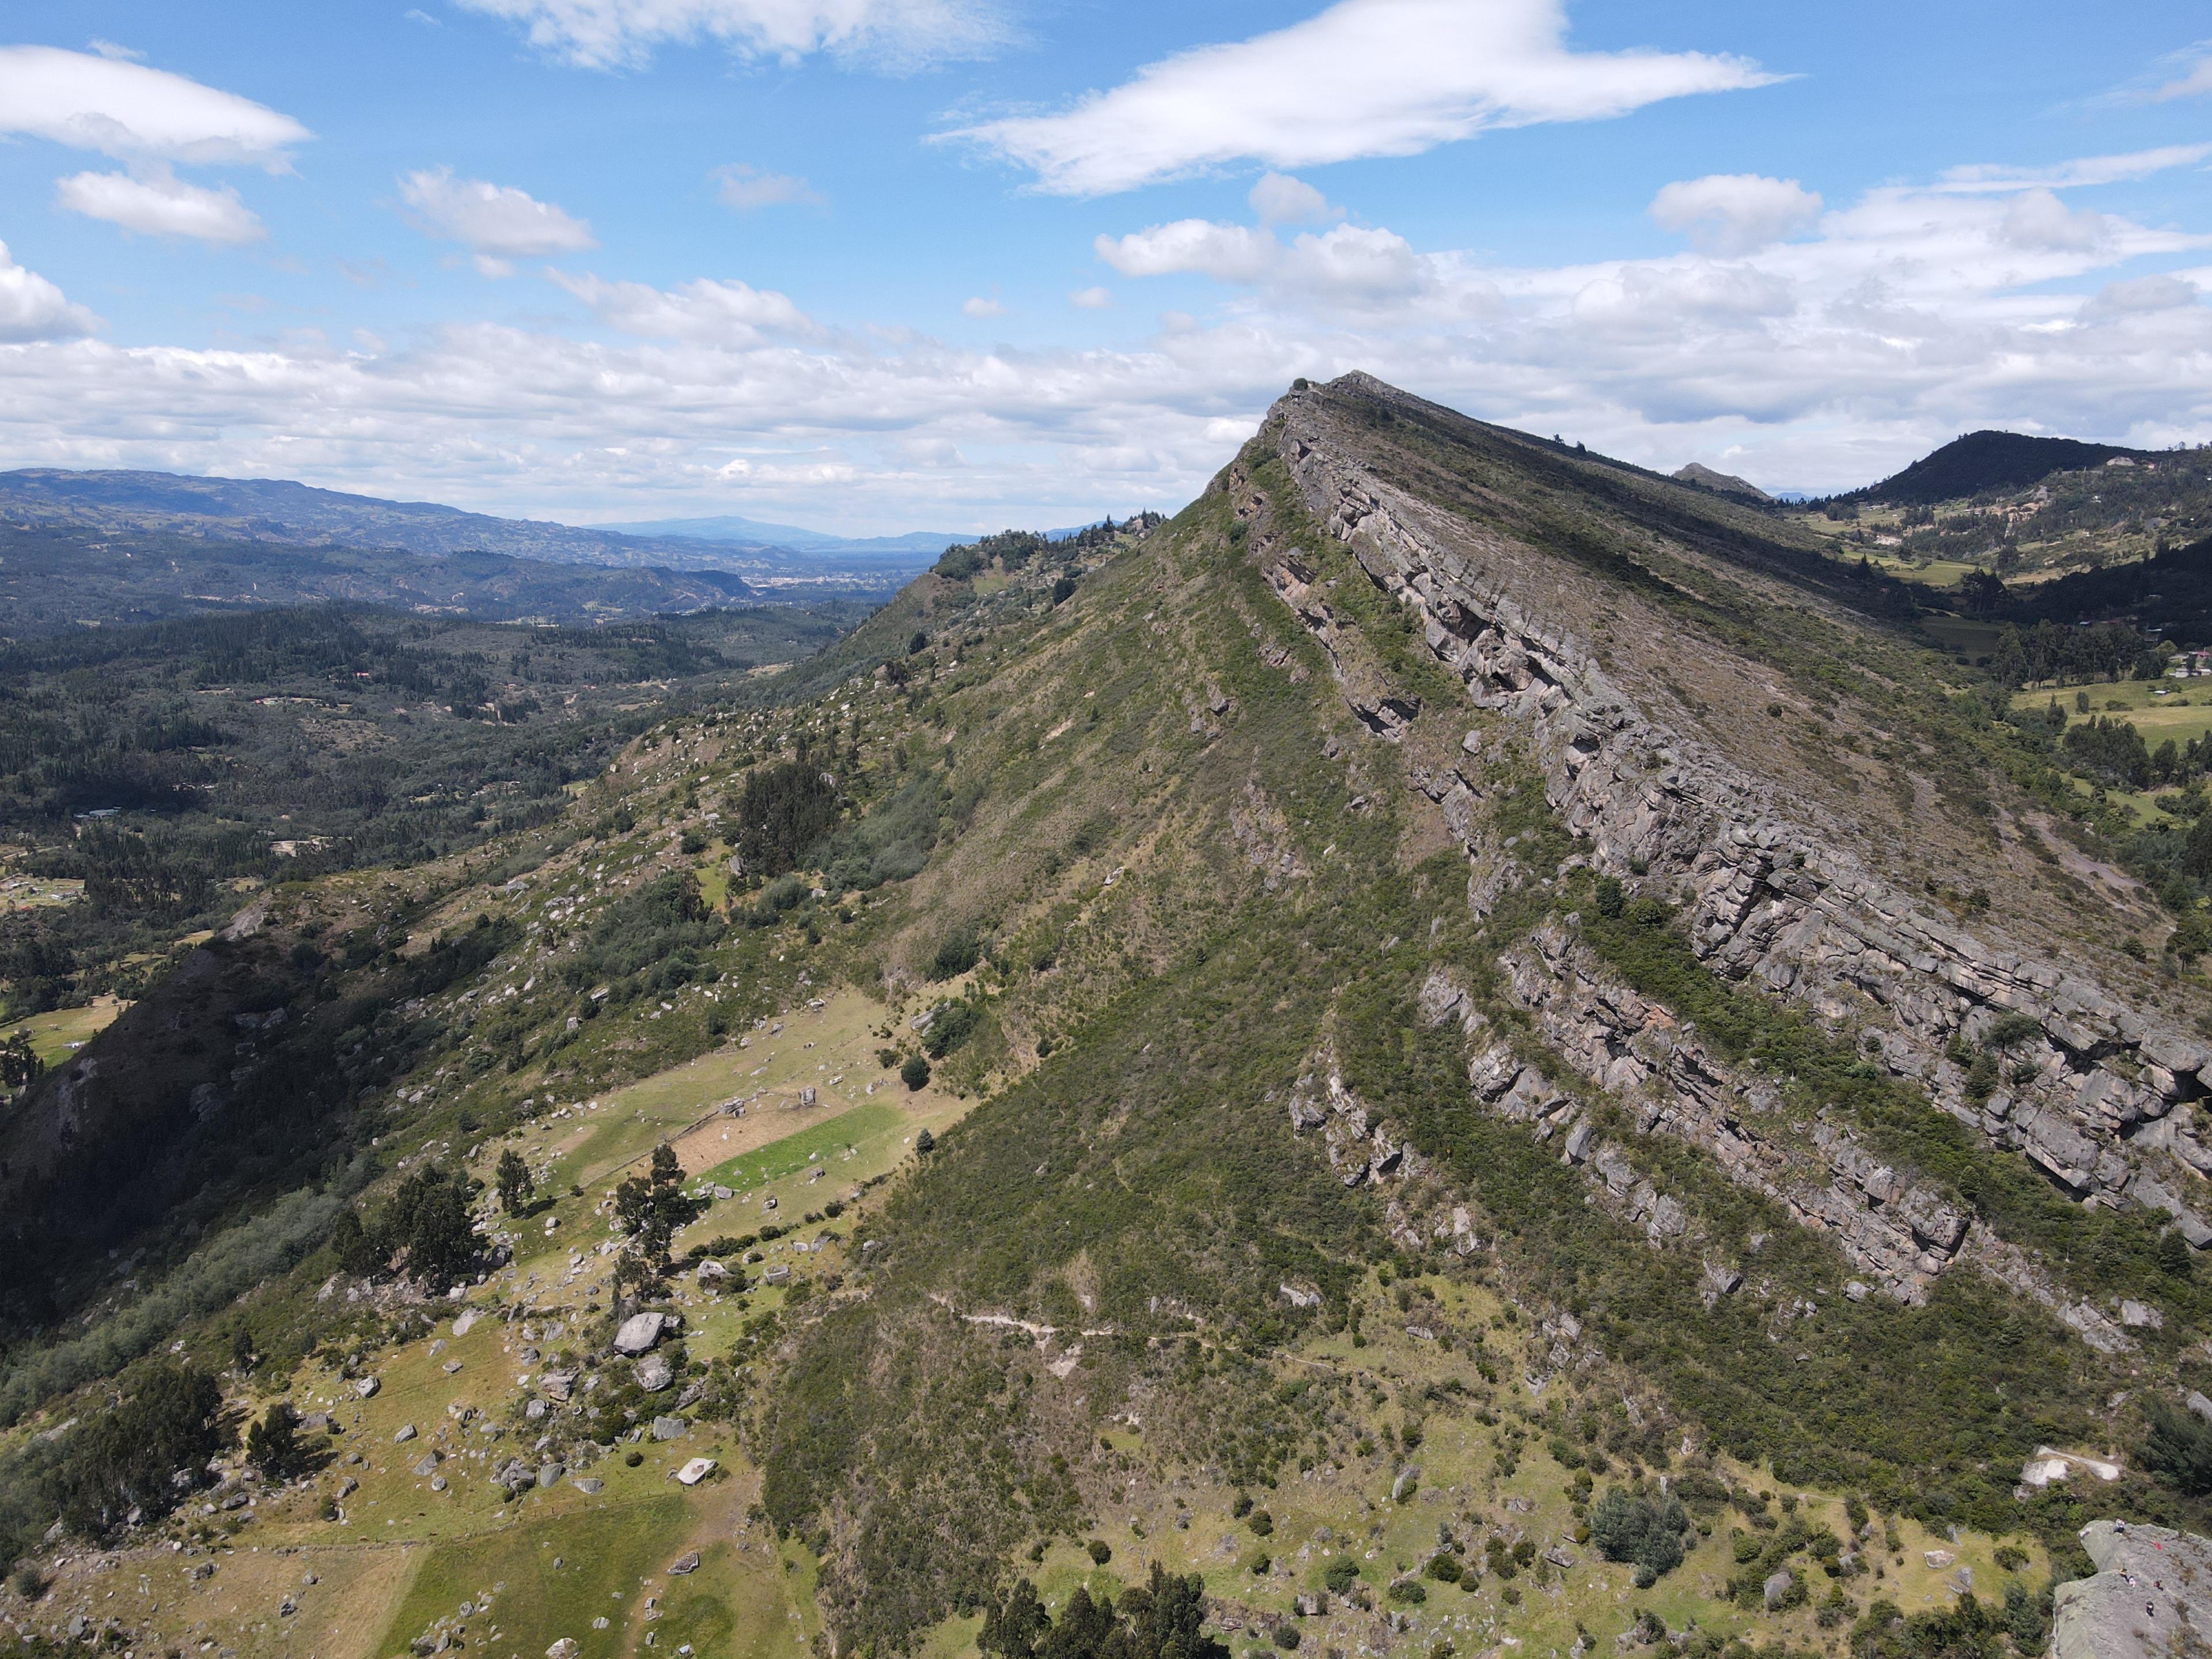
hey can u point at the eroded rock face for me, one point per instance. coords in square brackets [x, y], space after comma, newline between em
[1774, 898]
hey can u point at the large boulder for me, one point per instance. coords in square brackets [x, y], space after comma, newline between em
[640, 1331]
[2146, 1601]
[654, 1373]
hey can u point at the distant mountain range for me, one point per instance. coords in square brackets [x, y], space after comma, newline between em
[928, 543]
[299, 515]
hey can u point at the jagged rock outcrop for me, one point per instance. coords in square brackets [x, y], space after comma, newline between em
[1774, 896]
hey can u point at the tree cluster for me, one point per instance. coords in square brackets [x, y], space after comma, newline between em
[1162, 1619]
[424, 1232]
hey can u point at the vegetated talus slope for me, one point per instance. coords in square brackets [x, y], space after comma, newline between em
[1439, 849]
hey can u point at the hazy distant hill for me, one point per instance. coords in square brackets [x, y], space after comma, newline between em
[927, 544]
[279, 510]
[1726, 482]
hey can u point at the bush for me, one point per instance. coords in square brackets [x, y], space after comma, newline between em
[1408, 1592]
[1630, 1527]
[955, 956]
[915, 1072]
[1287, 1637]
[782, 811]
[1340, 1575]
[925, 1142]
[1610, 898]
[2179, 1447]
[1100, 1550]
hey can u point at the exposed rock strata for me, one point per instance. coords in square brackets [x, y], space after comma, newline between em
[1773, 899]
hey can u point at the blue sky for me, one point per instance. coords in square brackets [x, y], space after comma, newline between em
[875, 264]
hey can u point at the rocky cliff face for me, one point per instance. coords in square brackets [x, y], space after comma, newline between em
[1775, 895]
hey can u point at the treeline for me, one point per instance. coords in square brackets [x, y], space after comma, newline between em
[1014, 549]
[2045, 653]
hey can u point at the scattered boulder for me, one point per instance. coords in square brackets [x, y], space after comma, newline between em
[654, 1373]
[368, 1386]
[566, 1647]
[640, 1333]
[549, 1475]
[1408, 1482]
[695, 1471]
[687, 1562]
[670, 1428]
[406, 1433]
[1776, 1590]
[590, 1485]
[427, 1464]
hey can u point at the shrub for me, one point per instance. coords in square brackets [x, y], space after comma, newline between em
[1287, 1637]
[1630, 1527]
[2179, 1447]
[1340, 1575]
[1408, 1592]
[1100, 1550]
[915, 1072]
[955, 956]
[1610, 897]
[925, 1142]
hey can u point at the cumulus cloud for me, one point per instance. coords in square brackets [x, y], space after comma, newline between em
[496, 222]
[132, 112]
[745, 187]
[1279, 199]
[1228, 253]
[155, 203]
[32, 308]
[1348, 263]
[625, 34]
[1735, 212]
[1364, 77]
[1092, 299]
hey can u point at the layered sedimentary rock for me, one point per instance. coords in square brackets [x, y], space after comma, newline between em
[1773, 895]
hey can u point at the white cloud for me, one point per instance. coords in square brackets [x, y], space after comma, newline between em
[497, 222]
[1735, 212]
[1364, 77]
[32, 308]
[1982, 178]
[1228, 253]
[745, 187]
[134, 113]
[2037, 219]
[155, 203]
[707, 311]
[625, 34]
[109, 49]
[981, 308]
[1279, 199]
[2141, 295]
[1351, 264]
[1092, 299]
[2194, 81]
[1905, 316]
